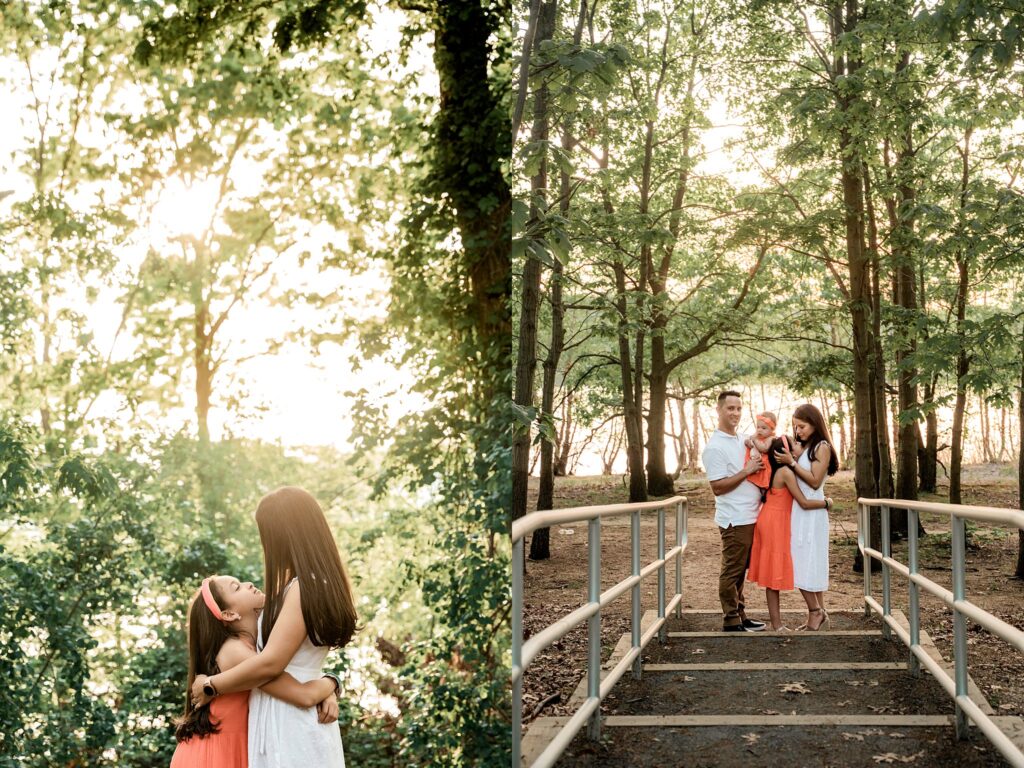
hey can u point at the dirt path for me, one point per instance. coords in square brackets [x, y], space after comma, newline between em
[558, 585]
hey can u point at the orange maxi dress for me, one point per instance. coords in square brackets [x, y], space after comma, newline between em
[229, 747]
[771, 560]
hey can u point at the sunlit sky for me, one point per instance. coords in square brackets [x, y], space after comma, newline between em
[302, 393]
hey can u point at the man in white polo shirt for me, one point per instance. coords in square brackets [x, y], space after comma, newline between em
[737, 503]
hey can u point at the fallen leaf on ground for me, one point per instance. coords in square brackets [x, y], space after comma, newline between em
[853, 737]
[751, 738]
[892, 757]
[797, 687]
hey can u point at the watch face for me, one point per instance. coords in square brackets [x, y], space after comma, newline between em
[208, 689]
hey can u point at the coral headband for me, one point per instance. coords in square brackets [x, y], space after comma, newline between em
[208, 599]
[766, 420]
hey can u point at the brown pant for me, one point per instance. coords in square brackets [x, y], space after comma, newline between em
[736, 543]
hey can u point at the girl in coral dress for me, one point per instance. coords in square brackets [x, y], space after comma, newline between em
[771, 561]
[221, 634]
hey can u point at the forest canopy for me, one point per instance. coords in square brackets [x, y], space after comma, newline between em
[816, 202]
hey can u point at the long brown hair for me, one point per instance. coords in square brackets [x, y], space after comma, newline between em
[297, 543]
[811, 415]
[206, 635]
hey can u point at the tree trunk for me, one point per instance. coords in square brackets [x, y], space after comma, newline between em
[1002, 434]
[928, 455]
[631, 411]
[858, 264]
[660, 483]
[526, 361]
[1019, 571]
[963, 361]
[566, 432]
[682, 438]
[540, 548]
[901, 225]
[876, 372]
[695, 438]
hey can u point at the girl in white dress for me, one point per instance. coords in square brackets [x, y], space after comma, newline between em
[809, 530]
[309, 610]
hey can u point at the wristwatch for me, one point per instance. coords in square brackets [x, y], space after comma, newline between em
[337, 682]
[208, 688]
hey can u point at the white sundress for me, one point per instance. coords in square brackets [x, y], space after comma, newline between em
[282, 735]
[809, 537]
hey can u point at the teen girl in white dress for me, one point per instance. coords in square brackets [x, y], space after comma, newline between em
[809, 528]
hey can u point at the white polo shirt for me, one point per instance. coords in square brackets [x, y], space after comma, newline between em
[723, 457]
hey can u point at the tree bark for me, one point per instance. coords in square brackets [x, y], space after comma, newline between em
[660, 483]
[567, 431]
[880, 411]
[682, 438]
[1019, 571]
[843, 22]
[540, 548]
[526, 361]
[963, 361]
[928, 455]
[631, 412]
[902, 237]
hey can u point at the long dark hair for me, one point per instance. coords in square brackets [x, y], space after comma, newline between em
[206, 635]
[811, 415]
[297, 543]
[778, 444]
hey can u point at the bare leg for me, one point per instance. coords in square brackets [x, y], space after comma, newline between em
[815, 609]
[772, 598]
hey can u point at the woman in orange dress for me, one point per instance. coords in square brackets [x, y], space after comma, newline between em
[221, 634]
[771, 561]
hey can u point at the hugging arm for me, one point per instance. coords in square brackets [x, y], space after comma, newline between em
[284, 686]
[790, 480]
[285, 639]
[815, 476]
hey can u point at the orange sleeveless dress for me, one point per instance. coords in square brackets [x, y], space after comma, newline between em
[229, 747]
[771, 560]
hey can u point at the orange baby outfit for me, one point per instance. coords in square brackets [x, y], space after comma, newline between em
[229, 747]
[771, 561]
[763, 476]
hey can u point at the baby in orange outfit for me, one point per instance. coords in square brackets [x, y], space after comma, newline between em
[759, 445]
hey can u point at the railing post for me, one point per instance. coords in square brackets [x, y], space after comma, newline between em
[959, 622]
[634, 525]
[865, 533]
[593, 626]
[679, 559]
[886, 552]
[517, 649]
[663, 632]
[915, 610]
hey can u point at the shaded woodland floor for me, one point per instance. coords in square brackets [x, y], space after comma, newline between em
[556, 586]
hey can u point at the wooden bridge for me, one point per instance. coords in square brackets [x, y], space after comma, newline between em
[872, 689]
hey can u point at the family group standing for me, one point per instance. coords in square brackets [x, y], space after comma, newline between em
[771, 511]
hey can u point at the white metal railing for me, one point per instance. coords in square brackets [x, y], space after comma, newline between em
[963, 609]
[524, 653]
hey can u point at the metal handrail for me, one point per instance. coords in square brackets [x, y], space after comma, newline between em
[963, 609]
[523, 654]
